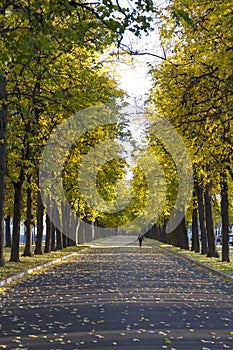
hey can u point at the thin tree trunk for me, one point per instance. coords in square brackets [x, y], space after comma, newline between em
[59, 245]
[195, 234]
[201, 212]
[64, 240]
[81, 233]
[64, 225]
[8, 231]
[212, 251]
[70, 239]
[18, 186]
[53, 237]
[48, 237]
[225, 218]
[3, 129]
[40, 216]
[29, 221]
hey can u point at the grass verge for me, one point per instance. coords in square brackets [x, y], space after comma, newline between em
[215, 263]
[11, 268]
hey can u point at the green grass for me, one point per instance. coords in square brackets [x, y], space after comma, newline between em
[25, 263]
[215, 263]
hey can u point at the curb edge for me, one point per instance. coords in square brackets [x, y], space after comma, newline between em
[220, 274]
[24, 273]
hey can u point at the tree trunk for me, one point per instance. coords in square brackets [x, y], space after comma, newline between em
[195, 234]
[70, 240]
[201, 213]
[59, 245]
[184, 243]
[225, 218]
[92, 231]
[212, 251]
[40, 215]
[3, 129]
[64, 240]
[48, 237]
[173, 238]
[81, 233]
[18, 186]
[29, 220]
[64, 224]
[8, 231]
[77, 229]
[53, 237]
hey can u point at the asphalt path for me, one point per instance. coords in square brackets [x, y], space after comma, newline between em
[121, 296]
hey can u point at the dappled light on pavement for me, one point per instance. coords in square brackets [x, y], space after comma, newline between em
[125, 297]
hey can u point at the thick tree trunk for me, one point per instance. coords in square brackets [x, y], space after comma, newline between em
[3, 129]
[225, 218]
[184, 243]
[40, 215]
[173, 238]
[201, 212]
[8, 231]
[18, 186]
[162, 233]
[29, 221]
[179, 236]
[212, 251]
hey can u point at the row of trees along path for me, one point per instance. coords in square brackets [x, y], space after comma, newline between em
[48, 72]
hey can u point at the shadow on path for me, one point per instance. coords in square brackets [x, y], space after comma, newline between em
[124, 297]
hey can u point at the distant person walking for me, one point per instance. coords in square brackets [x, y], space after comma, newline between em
[140, 239]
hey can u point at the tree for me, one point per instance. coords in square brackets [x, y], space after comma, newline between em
[36, 38]
[192, 90]
[3, 128]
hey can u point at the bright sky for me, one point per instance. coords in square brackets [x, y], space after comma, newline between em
[134, 77]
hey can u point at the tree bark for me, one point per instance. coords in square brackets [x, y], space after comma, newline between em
[40, 215]
[225, 218]
[29, 220]
[18, 186]
[48, 237]
[3, 129]
[70, 240]
[53, 237]
[201, 212]
[8, 231]
[64, 225]
[81, 233]
[53, 228]
[195, 234]
[212, 251]
[59, 245]
[184, 243]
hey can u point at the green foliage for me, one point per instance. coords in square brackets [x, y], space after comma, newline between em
[192, 88]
